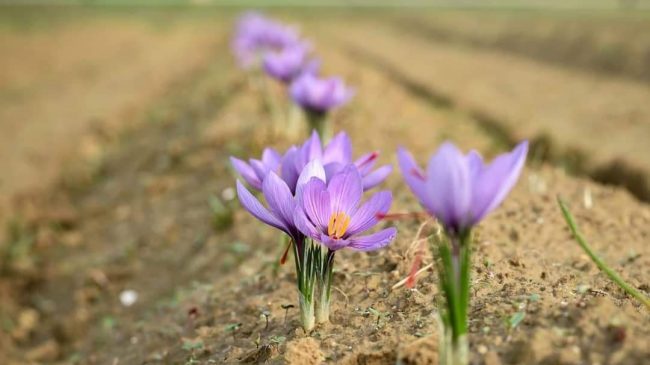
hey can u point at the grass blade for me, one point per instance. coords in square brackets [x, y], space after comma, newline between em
[597, 260]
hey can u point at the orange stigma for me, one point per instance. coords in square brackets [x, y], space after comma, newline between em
[338, 225]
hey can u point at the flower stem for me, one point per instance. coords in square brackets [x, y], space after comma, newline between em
[271, 105]
[306, 312]
[325, 288]
[294, 127]
[597, 260]
[318, 121]
[454, 266]
[454, 352]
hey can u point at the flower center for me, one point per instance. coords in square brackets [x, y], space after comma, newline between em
[338, 225]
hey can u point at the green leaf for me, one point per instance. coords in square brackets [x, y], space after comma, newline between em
[515, 319]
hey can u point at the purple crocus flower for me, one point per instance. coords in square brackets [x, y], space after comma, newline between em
[288, 63]
[460, 190]
[335, 156]
[280, 200]
[255, 170]
[317, 95]
[256, 34]
[330, 213]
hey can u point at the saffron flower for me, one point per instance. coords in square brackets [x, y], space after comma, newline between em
[255, 170]
[330, 214]
[335, 156]
[459, 190]
[317, 96]
[256, 34]
[289, 62]
[280, 215]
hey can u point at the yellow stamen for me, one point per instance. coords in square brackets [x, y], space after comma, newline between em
[338, 225]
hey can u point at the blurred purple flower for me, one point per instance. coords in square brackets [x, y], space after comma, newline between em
[319, 95]
[255, 171]
[335, 156]
[280, 200]
[460, 190]
[330, 213]
[256, 34]
[288, 63]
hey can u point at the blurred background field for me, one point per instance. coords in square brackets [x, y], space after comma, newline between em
[116, 119]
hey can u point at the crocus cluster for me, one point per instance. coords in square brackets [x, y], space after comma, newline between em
[278, 49]
[314, 192]
[256, 35]
[313, 195]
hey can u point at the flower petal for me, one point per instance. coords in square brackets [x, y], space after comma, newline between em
[254, 207]
[316, 203]
[345, 190]
[246, 172]
[449, 187]
[311, 170]
[376, 177]
[288, 168]
[338, 150]
[366, 162]
[304, 225]
[271, 158]
[279, 197]
[496, 180]
[333, 244]
[366, 217]
[373, 241]
[414, 177]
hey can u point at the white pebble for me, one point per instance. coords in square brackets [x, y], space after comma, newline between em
[128, 297]
[228, 194]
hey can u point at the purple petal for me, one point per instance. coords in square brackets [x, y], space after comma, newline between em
[253, 206]
[345, 190]
[312, 149]
[338, 150]
[496, 180]
[333, 244]
[448, 186]
[279, 198]
[246, 172]
[313, 169]
[316, 203]
[373, 241]
[271, 158]
[288, 167]
[376, 177]
[304, 225]
[366, 217]
[366, 162]
[414, 177]
[332, 169]
[260, 169]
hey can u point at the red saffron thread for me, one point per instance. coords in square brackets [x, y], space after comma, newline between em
[283, 259]
[401, 216]
[410, 283]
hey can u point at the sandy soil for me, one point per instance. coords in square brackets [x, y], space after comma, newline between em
[572, 114]
[80, 83]
[209, 288]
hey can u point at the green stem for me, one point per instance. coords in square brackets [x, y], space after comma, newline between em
[319, 123]
[325, 288]
[454, 266]
[306, 312]
[271, 105]
[597, 260]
